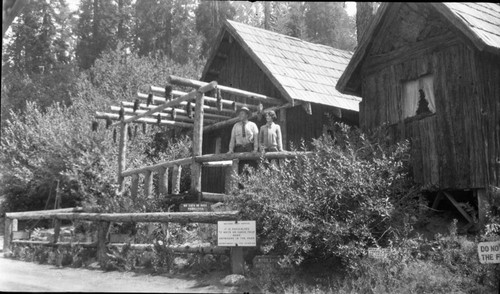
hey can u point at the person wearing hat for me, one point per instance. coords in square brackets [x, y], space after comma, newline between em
[244, 137]
[270, 134]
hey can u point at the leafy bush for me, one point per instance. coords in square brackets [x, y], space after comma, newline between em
[352, 192]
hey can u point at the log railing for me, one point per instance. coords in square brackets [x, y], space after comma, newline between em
[105, 219]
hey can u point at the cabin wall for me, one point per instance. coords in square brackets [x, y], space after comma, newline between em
[457, 147]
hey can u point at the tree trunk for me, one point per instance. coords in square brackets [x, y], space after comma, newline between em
[364, 13]
[267, 12]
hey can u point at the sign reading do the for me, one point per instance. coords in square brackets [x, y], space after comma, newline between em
[489, 252]
[236, 233]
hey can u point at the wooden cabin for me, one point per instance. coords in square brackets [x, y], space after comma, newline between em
[430, 72]
[300, 73]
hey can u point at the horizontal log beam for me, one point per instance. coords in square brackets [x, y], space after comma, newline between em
[215, 197]
[249, 155]
[161, 91]
[250, 95]
[164, 115]
[151, 121]
[13, 215]
[234, 120]
[203, 249]
[51, 244]
[213, 112]
[191, 95]
[160, 217]
[157, 167]
[181, 113]
[218, 163]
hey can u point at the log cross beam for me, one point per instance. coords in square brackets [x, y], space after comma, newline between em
[250, 95]
[189, 96]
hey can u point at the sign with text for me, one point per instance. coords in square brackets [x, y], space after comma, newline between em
[266, 261]
[236, 233]
[489, 252]
[194, 207]
[378, 253]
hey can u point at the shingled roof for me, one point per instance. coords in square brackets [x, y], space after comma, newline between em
[479, 22]
[301, 70]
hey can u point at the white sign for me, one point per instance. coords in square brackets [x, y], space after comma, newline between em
[236, 233]
[489, 252]
[378, 253]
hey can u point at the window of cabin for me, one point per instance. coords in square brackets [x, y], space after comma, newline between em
[418, 97]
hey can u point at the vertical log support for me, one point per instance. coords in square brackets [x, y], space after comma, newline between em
[163, 186]
[135, 186]
[196, 167]
[237, 261]
[7, 237]
[122, 155]
[148, 184]
[218, 145]
[57, 230]
[282, 123]
[176, 179]
[483, 206]
[102, 232]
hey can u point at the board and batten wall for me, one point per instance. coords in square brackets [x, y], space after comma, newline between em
[458, 146]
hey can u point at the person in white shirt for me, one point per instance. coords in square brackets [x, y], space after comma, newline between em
[244, 137]
[270, 134]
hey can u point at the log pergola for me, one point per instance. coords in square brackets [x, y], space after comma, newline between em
[167, 106]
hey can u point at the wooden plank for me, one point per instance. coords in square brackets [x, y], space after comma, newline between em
[458, 207]
[135, 186]
[176, 179]
[237, 261]
[122, 155]
[180, 117]
[284, 132]
[148, 184]
[191, 95]
[163, 186]
[250, 95]
[158, 166]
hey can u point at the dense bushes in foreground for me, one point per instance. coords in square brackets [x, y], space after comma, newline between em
[352, 192]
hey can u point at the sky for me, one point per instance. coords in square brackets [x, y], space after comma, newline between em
[350, 7]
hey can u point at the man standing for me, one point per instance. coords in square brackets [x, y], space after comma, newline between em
[244, 137]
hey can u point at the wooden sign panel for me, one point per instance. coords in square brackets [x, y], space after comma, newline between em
[378, 253]
[266, 261]
[236, 233]
[489, 252]
[194, 207]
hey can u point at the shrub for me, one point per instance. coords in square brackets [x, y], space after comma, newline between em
[352, 192]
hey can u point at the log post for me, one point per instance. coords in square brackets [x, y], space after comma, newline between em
[176, 179]
[163, 186]
[135, 186]
[196, 167]
[57, 230]
[237, 261]
[7, 237]
[148, 184]
[483, 206]
[122, 155]
[218, 145]
[282, 123]
[102, 232]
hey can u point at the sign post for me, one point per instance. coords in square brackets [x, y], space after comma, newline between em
[236, 234]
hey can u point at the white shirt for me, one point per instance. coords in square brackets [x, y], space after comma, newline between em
[251, 135]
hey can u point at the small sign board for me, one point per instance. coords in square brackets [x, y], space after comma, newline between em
[194, 207]
[236, 233]
[378, 253]
[265, 261]
[489, 252]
